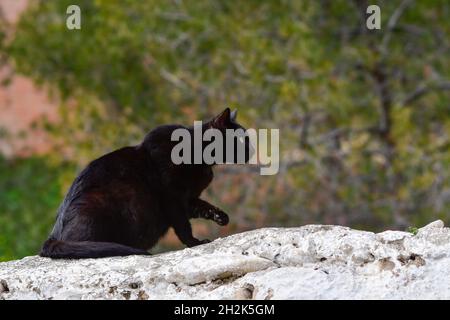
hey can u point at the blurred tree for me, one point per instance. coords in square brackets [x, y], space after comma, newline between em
[364, 114]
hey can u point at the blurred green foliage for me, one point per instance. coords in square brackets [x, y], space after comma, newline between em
[30, 192]
[364, 114]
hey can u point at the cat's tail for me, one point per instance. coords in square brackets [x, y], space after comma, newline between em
[57, 249]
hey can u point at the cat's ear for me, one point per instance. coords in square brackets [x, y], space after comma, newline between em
[233, 115]
[222, 120]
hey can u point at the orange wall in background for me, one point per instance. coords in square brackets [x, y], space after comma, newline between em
[22, 103]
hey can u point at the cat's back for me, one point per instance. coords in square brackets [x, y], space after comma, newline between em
[120, 164]
[118, 174]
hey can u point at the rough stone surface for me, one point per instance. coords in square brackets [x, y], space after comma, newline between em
[310, 262]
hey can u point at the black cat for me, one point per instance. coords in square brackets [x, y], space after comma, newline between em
[124, 201]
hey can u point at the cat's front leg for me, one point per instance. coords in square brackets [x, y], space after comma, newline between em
[182, 226]
[201, 209]
[183, 231]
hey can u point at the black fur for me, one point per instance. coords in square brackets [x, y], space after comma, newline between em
[123, 202]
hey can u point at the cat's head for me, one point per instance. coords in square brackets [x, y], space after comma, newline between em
[226, 123]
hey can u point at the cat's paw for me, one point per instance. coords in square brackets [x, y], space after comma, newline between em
[221, 218]
[197, 242]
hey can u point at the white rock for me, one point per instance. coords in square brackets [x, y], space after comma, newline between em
[310, 262]
[435, 224]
